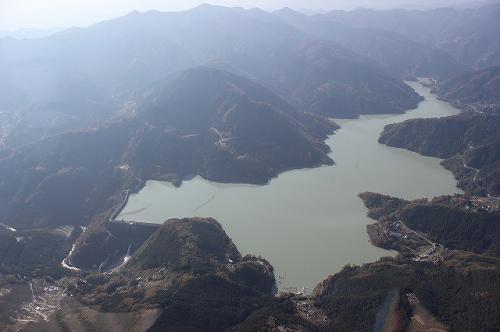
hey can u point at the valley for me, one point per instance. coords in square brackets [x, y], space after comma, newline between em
[315, 212]
[239, 169]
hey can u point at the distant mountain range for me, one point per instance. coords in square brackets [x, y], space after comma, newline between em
[398, 55]
[28, 33]
[122, 94]
[230, 94]
[470, 35]
[80, 77]
[338, 64]
[87, 116]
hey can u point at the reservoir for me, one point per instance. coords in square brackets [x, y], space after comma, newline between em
[310, 223]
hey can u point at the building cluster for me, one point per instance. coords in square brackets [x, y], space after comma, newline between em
[309, 311]
[399, 235]
[432, 254]
[479, 204]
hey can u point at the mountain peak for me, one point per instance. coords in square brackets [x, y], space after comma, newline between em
[287, 11]
[206, 7]
[186, 243]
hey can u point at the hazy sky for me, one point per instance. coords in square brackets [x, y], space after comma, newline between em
[17, 14]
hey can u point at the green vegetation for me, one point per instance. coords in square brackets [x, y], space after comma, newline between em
[455, 228]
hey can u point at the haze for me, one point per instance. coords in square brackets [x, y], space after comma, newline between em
[249, 165]
[23, 14]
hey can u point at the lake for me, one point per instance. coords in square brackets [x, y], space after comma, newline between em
[310, 223]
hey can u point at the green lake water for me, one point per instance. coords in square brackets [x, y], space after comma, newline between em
[310, 223]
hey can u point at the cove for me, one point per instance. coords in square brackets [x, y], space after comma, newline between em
[310, 223]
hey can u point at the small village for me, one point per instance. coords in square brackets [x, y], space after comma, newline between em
[306, 308]
[478, 204]
[396, 235]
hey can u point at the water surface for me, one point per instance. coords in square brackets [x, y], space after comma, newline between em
[310, 223]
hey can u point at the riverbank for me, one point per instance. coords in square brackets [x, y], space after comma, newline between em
[316, 208]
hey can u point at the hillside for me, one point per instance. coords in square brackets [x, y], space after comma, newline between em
[323, 78]
[35, 252]
[415, 291]
[414, 297]
[238, 97]
[234, 131]
[469, 143]
[186, 245]
[188, 268]
[457, 223]
[80, 78]
[477, 91]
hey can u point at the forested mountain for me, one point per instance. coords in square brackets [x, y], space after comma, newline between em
[469, 143]
[88, 115]
[457, 292]
[458, 223]
[81, 77]
[450, 296]
[336, 64]
[199, 282]
[233, 131]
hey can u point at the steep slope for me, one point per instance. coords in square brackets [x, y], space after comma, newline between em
[35, 252]
[188, 275]
[456, 222]
[82, 77]
[65, 179]
[469, 142]
[456, 291]
[248, 133]
[414, 296]
[325, 78]
[208, 122]
[476, 90]
[186, 244]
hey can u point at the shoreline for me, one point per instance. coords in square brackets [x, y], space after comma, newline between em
[238, 227]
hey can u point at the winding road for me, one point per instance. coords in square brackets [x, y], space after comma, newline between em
[66, 265]
[475, 170]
